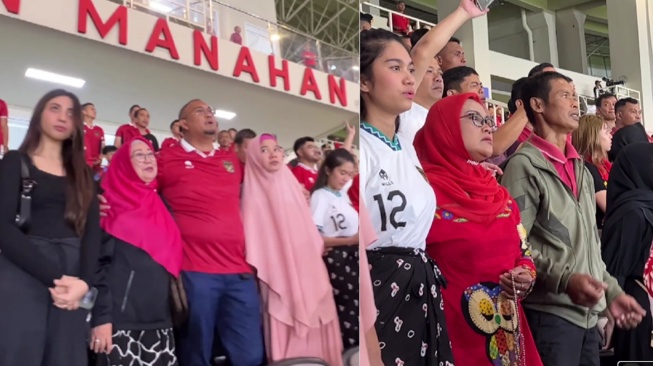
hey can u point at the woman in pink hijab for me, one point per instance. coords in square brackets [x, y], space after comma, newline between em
[284, 246]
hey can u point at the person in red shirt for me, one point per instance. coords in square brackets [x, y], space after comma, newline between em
[176, 135]
[308, 155]
[4, 127]
[241, 142]
[202, 188]
[93, 138]
[236, 37]
[225, 141]
[400, 24]
[309, 57]
[127, 131]
[138, 128]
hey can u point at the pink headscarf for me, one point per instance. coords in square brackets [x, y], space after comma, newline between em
[283, 244]
[367, 236]
[138, 216]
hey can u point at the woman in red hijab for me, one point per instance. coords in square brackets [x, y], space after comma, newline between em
[142, 250]
[476, 238]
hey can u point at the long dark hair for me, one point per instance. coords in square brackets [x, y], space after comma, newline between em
[333, 160]
[79, 188]
[373, 42]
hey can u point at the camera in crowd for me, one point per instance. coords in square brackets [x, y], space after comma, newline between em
[611, 82]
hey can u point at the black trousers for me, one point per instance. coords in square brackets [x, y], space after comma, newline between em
[635, 344]
[561, 343]
[33, 332]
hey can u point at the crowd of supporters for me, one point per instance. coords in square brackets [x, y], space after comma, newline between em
[205, 248]
[526, 243]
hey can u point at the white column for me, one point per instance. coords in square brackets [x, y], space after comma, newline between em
[572, 50]
[630, 49]
[474, 38]
[545, 43]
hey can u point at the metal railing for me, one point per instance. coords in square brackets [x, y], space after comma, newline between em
[387, 14]
[257, 33]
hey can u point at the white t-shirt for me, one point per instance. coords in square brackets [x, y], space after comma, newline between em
[333, 214]
[412, 121]
[398, 197]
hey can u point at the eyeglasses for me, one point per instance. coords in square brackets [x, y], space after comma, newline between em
[200, 111]
[479, 121]
[143, 157]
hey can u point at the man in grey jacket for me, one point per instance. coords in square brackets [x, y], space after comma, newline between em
[556, 199]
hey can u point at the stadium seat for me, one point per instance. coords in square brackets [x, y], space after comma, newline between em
[350, 357]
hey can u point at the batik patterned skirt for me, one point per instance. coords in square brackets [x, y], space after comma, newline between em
[342, 264]
[141, 348]
[410, 320]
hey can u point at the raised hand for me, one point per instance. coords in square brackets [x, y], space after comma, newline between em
[469, 6]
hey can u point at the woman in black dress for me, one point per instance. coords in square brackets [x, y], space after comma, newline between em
[47, 267]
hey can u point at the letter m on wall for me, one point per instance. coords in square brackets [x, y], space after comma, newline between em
[87, 10]
[12, 6]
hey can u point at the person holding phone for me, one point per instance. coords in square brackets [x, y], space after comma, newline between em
[48, 266]
[142, 250]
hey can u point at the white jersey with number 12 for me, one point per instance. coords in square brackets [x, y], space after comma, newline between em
[397, 195]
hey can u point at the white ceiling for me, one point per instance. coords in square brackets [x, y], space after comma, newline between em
[118, 78]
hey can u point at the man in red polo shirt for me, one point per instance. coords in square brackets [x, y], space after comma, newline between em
[93, 138]
[4, 127]
[308, 155]
[128, 131]
[225, 141]
[400, 24]
[202, 187]
[176, 135]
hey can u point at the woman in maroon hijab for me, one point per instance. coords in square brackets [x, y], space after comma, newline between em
[142, 250]
[476, 238]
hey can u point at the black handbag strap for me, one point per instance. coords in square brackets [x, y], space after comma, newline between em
[26, 187]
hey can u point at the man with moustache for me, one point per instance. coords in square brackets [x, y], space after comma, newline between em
[605, 108]
[554, 191]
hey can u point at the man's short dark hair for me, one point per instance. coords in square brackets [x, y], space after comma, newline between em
[109, 149]
[602, 97]
[622, 103]
[539, 86]
[417, 35]
[454, 77]
[87, 105]
[539, 69]
[173, 123]
[515, 94]
[300, 142]
[244, 134]
[132, 108]
[366, 17]
[454, 40]
[233, 129]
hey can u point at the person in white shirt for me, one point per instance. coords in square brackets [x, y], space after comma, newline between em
[407, 283]
[337, 222]
[429, 92]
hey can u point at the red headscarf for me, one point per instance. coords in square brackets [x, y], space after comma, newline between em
[461, 187]
[138, 215]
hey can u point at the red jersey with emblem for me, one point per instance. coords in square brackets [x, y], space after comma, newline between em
[204, 195]
[305, 175]
[169, 142]
[4, 113]
[128, 132]
[93, 140]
